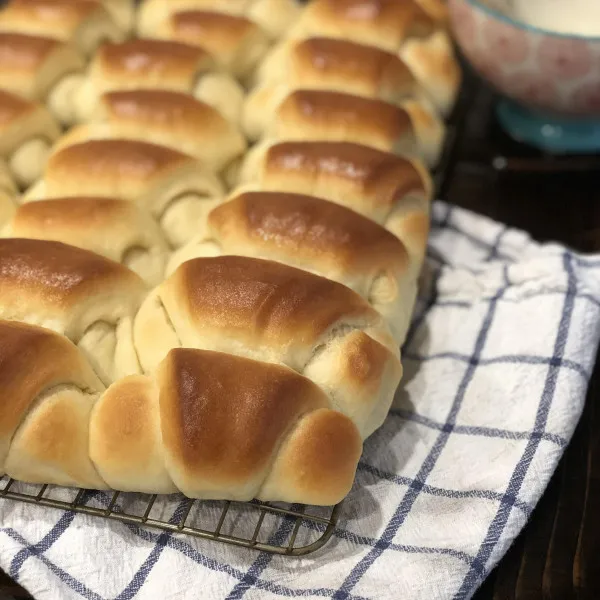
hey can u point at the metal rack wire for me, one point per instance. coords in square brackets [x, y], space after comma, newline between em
[202, 519]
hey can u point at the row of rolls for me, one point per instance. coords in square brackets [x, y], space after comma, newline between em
[213, 216]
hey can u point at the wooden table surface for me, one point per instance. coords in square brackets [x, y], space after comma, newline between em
[557, 557]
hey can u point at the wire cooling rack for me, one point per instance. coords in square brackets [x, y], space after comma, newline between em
[247, 524]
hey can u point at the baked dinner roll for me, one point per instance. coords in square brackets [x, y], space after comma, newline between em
[392, 191]
[318, 236]
[386, 24]
[176, 431]
[175, 188]
[273, 16]
[33, 67]
[116, 229]
[84, 296]
[149, 64]
[84, 23]
[412, 129]
[275, 313]
[171, 119]
[181, 430]
[47, 395]
[427, 69]
[27, 131]
[236, 43]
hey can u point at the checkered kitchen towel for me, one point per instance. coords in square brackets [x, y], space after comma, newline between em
[496, 369]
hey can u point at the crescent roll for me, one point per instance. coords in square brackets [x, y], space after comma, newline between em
[171, 119]
[236, 43]
[84, 23]
[275, 313]
[392, 191]
[273, 16]
[176, 189]
[386, 24]
[412, 129]
[27, 131]
[149, 64]
[117, 229]
[318, 236]
[84, 296]
[175, 430]
[425, 68]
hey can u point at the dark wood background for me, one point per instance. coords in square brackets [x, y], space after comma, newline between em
[557, 557]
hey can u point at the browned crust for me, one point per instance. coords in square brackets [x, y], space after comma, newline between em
[13, 107]
[133, 57]
[267, 302]
[60, 272]
[113, 158]
[224, 416]
[301, 226]
[382, 177]
[20, 52]
[320, 107]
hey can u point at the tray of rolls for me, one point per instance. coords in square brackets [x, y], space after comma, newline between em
[214, 216]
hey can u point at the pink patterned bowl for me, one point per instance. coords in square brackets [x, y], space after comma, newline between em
[553, 79]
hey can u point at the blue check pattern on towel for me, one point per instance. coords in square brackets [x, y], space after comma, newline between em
[496, 368]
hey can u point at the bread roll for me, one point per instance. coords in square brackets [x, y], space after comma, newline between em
[236, 43]
[32, 66]
[84, 23]
[428, 68]
[275, 313]
[273, 16]
[412, 129]
[318, 236]
[27, 131]
[392, 191]
[116, 229]
[386, 24]
[149, 64]
[176, 189]
[47, 394]
[179, 430]
[171, 119]
[86, 297]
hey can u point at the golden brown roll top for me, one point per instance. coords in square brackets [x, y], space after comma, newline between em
[235, 42]
[27, 131]
[167, 118]
[175, 188]
[88, 298]
[32, 66]
[410, 130]
[48, 390]
[273, 16]
[338, 65]
[382, 23]
[318, 236]
[393, 191]
[210, 425]
[272, 312]
[219, 426]
[155, 64]
[428, 68]
[116, 229]
[84, 23]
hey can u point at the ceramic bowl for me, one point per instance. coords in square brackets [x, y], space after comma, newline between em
[550, 81]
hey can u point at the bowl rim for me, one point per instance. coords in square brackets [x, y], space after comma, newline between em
[492, 12]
